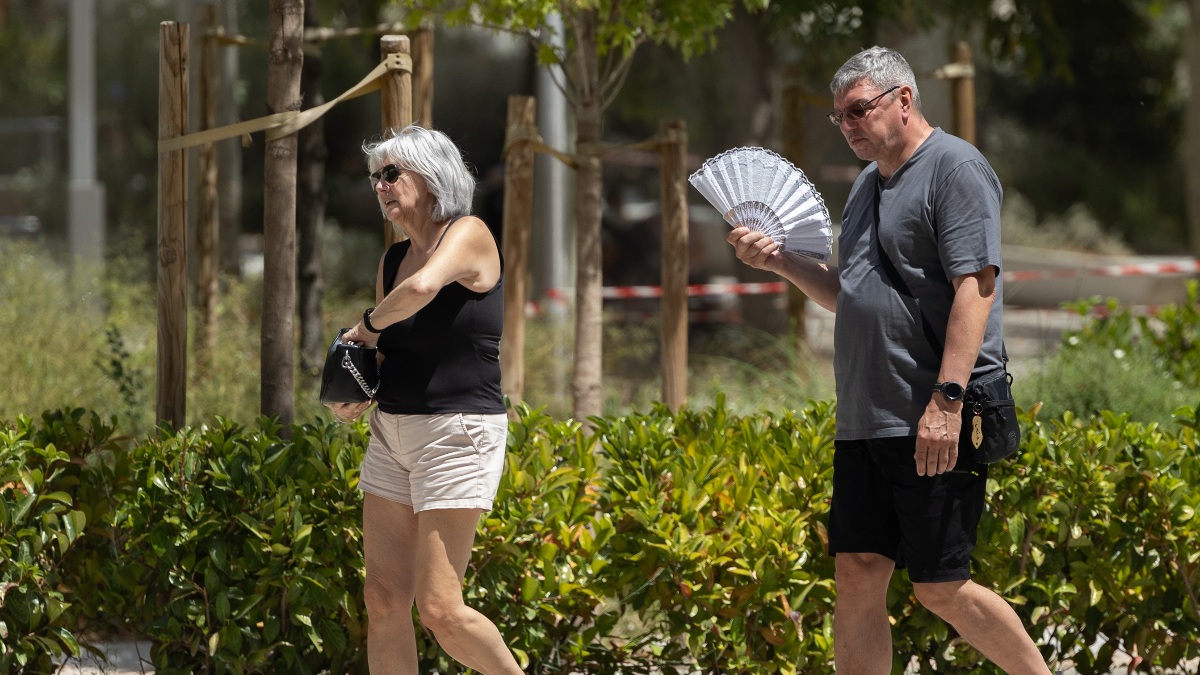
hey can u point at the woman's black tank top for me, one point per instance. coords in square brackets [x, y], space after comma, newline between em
[446, 357]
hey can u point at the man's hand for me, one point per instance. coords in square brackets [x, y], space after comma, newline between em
[348, 412]
[754, 248]
[937, 436]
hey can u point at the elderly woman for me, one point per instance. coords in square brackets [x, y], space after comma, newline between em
[439, 431]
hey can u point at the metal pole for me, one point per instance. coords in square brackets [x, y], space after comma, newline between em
[86, 210]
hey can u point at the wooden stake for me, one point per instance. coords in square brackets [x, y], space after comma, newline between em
[171, 400]
[396, 102]
[674, 222]
[792, 129]
[422, 76]
[964, 94]
[518, 222]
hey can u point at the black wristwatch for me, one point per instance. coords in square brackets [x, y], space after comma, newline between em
[367, 320]
[953, 391]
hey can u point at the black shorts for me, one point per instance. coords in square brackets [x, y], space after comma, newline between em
[924, 523]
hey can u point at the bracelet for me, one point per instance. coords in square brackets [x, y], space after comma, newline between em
[367, 320]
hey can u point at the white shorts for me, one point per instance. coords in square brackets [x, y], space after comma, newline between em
[448, 461]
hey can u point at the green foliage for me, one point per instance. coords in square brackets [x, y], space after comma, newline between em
[39, 523]
[693, 539]
[686, 26]
[542, 549]
[1143, 365]
[244, 552]
[1093, 533]
[720, 547]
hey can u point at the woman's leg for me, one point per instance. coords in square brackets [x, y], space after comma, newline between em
[446, 537]
[390, 545]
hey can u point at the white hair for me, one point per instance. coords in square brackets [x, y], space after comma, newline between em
[433, 156]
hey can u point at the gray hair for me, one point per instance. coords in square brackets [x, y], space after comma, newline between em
[433, 156]
[879, 66]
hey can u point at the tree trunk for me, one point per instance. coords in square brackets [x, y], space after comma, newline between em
[278, 344]
[588, 183]
[1192, 128]
[310, 216]
[229, 152]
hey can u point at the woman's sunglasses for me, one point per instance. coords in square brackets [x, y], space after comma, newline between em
[390, 174]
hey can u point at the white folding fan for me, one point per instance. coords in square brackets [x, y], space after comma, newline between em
[758, 189]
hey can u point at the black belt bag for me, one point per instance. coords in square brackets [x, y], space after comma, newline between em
[990, 430]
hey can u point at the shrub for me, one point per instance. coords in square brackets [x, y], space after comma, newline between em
[38, 526]
[692, 540]
[1142, 365]
[243, 551]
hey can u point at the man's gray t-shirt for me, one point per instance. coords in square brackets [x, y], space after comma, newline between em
[938, 218]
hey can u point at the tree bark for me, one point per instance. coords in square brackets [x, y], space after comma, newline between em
[310, 216]
[1192, 127]
[589, 179]
[285, 59]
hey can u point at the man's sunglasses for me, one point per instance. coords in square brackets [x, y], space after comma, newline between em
[856, 112]
[390, 174]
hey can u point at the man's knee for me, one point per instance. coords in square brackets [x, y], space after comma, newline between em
[939, 598]
[857, 573]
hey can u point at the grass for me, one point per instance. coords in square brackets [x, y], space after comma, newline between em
[89, 340]
[84, 339]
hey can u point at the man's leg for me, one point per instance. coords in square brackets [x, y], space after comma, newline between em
[986, 621]
[862, 637]
[390, 544]
[446, 537]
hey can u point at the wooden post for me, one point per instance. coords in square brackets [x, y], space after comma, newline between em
[792, 131]
[422, 76]
[396, 102]
[278, 339]
[518, 222]
[207, 219]
[674, 222]
[171, 401]
[964, 94]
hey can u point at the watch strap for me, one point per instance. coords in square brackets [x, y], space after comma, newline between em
[367, 320]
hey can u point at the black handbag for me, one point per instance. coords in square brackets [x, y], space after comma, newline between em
[351, 374]
[990, 430]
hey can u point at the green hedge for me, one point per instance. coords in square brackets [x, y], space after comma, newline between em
[693, 539]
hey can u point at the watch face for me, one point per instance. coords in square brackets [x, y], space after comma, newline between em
[952, 390]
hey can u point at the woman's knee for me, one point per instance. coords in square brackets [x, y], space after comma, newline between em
[384, 598]
[441, 614]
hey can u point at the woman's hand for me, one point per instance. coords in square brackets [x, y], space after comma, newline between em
[361, 335]
[348, 412]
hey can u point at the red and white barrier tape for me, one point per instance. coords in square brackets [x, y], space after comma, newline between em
[1146, 269]
[622, 292]
[561, 297]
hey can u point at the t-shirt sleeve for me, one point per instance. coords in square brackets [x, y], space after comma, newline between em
[967, 211]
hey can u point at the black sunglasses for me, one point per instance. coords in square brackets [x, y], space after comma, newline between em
[856, 112]
[390, 174]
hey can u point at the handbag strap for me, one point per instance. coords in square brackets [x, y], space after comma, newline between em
[348, 364]
[893, 274]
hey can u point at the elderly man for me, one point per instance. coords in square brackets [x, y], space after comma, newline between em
[916, 319]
